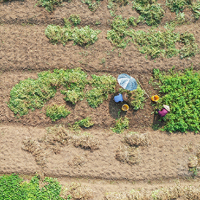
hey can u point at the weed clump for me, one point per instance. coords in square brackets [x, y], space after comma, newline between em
[75, 19]
[84, 36]
[149, 11]
[85, 141]
[135, 139]
[77, 191]
[56, 112]
[35, 149]
[85, 123]
[127, 154]
[121, 124]
[49, 5]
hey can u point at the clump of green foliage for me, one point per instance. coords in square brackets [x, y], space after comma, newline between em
[75, 19]
[177, 5]
[84, 36]
[49, 4]
[92, 5]
[85, 123]
[135, 98]
[153, 43]
[196, 9]
[118, 34]
[150, 11]
[14, 187]
[157, 43]
[121, 124]
[33, 94]
[103, 85]
[56, 112]
[181, 91]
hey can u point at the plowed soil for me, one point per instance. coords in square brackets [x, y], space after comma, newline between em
[25, 51]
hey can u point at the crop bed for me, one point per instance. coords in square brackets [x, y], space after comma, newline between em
[34, 141]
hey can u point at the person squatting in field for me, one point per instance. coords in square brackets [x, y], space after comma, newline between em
[164, 111]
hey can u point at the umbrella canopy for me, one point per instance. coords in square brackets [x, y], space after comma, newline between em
[127, 82]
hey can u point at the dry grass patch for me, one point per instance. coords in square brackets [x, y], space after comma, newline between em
[35, 149]
[77, 161]
[57, 137]
[127, 154]
[85, 141]
[135, 139]
[174, 192]
[77, 192]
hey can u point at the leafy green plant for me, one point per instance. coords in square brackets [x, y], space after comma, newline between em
[135, 98]
[73, 95]
[150, 11]
[95, 97]
[196, 9]
[121, 124]
[85, 123]
[49, 4]
[180, 18]
[33, 94]
[106, 82]
[84, 36]
[75, 19]
[92, 5]
[194, 170]
[56, 112]
[177, 5]
[30, 94]
[181, 91]
[119, 32]
[14, 187]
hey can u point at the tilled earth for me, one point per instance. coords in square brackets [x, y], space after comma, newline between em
[25, 51]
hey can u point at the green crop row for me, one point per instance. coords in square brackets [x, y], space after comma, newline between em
[181, 91]
[153, 43]
[84, 36]
[33, 94]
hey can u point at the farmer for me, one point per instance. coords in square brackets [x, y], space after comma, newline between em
[164, 111]
[121, 97]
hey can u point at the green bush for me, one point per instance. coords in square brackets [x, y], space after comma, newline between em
[177, 5]
[85, 123]
[84, 36]
[181, 91]
[92, 5]
[75, 19]
[56, 112]
[95, 97]
[196, 9]
[14, 187]
[49, 4]
[73, 96]
[150, 11]
[32, 94]
[121, 125]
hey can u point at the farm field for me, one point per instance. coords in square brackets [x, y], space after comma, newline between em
[96, 157]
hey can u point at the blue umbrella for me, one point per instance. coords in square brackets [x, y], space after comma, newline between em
[127, 82]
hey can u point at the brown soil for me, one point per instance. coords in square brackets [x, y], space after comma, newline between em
[25, 51]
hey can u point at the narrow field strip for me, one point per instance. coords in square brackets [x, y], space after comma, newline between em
[27, 48]
[165, 158]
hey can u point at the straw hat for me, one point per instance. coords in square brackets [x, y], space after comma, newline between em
[125, 96]
[166, 108]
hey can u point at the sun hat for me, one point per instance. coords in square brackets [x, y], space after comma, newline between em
[166, 108]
